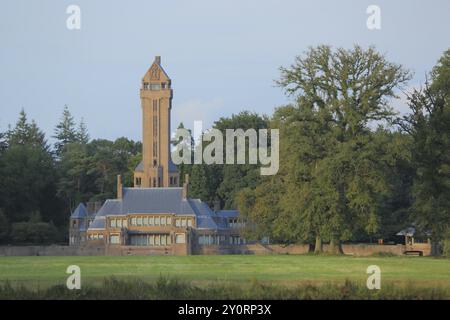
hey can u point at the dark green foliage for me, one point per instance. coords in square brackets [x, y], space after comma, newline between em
[429, 126]
[333, 183]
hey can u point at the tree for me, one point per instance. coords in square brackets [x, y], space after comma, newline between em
[82, 134]
[65, 131]
[28, 175]
[330, 168]
[429, 126]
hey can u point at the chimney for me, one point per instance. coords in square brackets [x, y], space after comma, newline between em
[119, 187]
[186, 186]
[158, 60]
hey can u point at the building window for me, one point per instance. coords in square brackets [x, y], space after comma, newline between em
[155, 86]
[157, 221]
[152, 221]
[189, 223]
[124, 223]
[178, 222]
[112, 223]
[145, 221]
[119, 223]
[183, 222]
[163, 221]
[180, 238]
[169, 221]
[174, 180]
[139, 221]
[133, 221]
[171, 180]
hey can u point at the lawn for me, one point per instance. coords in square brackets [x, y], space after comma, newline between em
[271, 269]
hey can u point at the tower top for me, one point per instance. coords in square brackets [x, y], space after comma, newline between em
[156, 72]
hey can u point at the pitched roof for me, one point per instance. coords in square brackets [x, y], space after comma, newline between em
[80, 212]
[228, 213]
[161, 200]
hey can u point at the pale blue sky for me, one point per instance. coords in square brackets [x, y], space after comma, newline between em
[222, 56]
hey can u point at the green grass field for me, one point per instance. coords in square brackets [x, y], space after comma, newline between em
[270, 269]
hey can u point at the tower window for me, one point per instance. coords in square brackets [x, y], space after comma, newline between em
[155, 86]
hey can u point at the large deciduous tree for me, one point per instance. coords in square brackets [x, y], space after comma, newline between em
[429, 125]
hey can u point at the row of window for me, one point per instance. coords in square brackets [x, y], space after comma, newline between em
[236, 223]
[156, 239]
[150, 221]
[216, 240]
[95, 236]
[118, 223]
[154, 86]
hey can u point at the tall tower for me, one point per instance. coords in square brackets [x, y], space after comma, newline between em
[156, 168]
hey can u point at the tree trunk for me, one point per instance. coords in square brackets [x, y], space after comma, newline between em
[318, 248]
[336, 247]
[435, 248]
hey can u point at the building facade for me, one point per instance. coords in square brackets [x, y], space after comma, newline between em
[156, 216]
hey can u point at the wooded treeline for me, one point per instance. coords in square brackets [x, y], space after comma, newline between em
[351, 169]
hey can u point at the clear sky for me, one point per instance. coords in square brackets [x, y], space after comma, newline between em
[222, 56]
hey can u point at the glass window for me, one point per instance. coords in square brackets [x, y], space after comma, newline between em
[124, 223]
[145, 221]
[155, 86]
[169, 239]
[157, 240]
[169, 221]
[178, 222]
[180, 238]
[183, 222]
[114, 239]
[163, 240]
[112, 223]
[119, 223]
[139, 221]
[157, 221]
[189, 223]
[151, 239]
[133, 221]
[151, 221]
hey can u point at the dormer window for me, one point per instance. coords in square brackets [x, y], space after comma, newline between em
[163, 85]
[145, 86]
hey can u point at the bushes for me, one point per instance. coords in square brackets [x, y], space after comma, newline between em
[33, 232]
[4, 226]
[173, 288]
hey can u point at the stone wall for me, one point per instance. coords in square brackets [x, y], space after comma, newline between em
[50, 251]
[349, 249]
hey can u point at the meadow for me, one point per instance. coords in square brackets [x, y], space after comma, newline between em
[287, 270]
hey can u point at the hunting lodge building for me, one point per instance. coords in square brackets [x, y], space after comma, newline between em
[156, 216]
